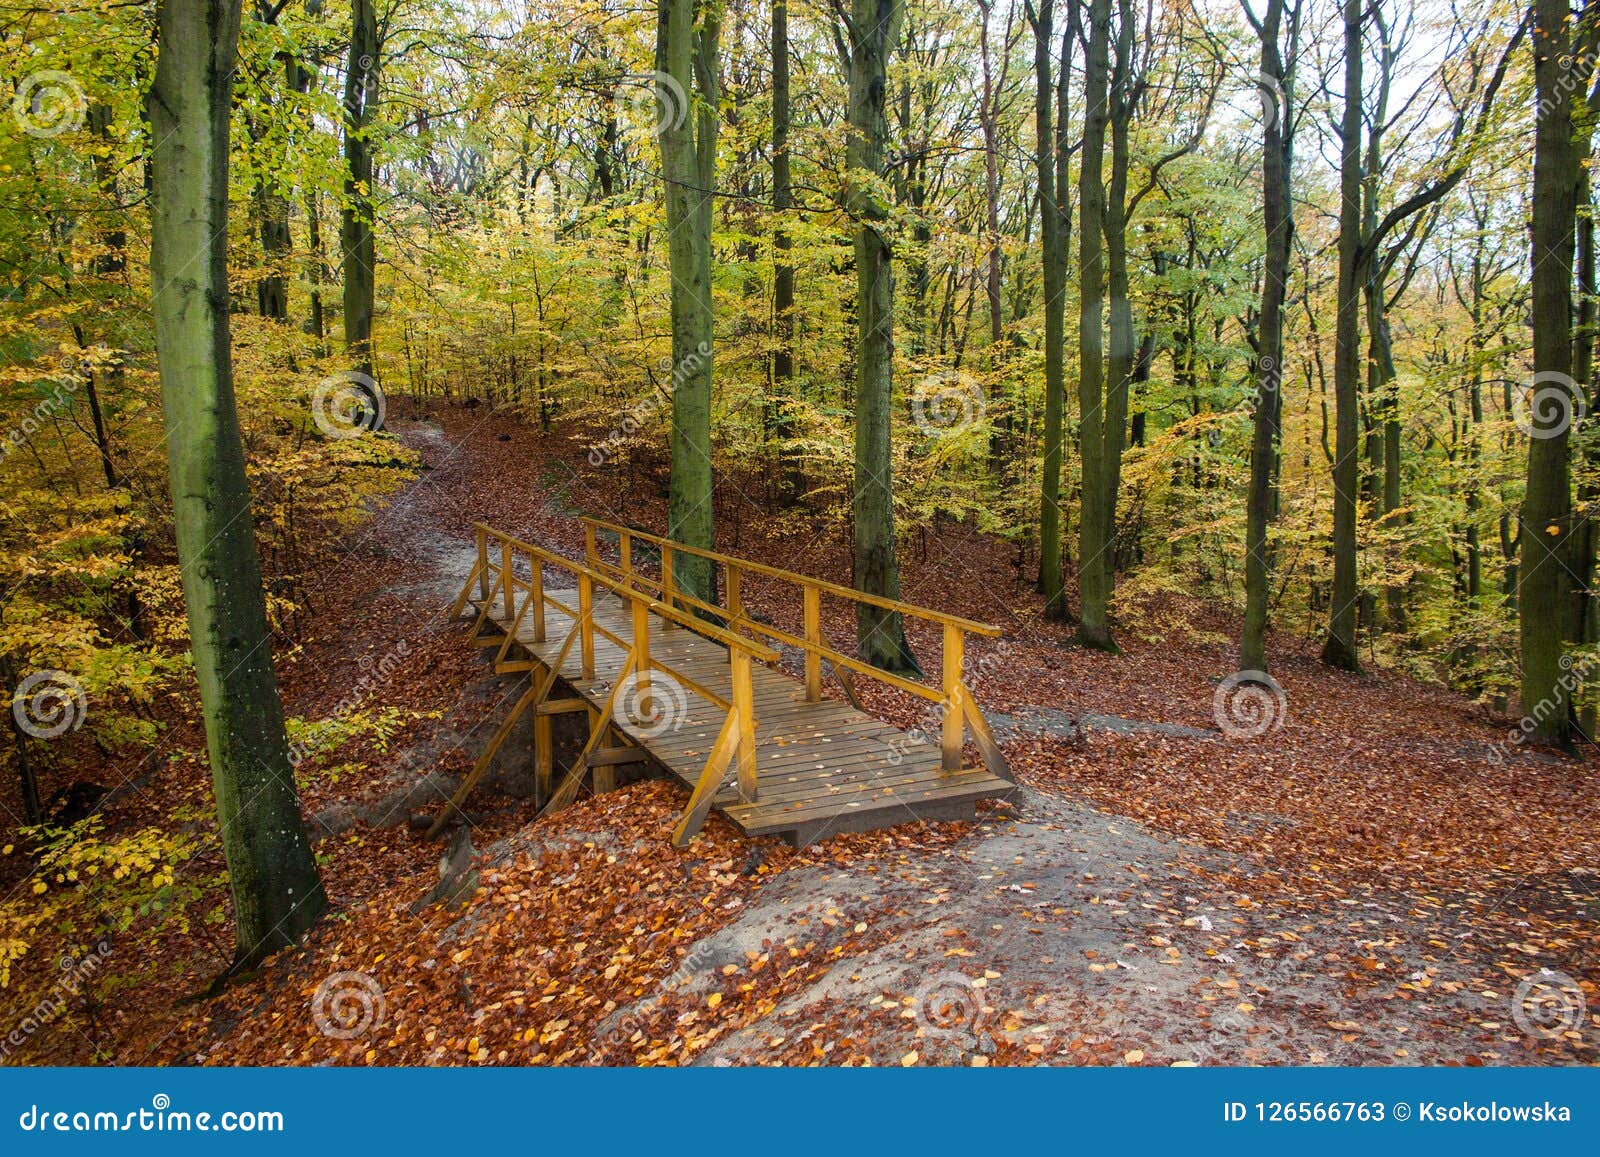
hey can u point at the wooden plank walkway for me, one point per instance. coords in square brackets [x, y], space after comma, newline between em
[664, 687]
[821, 767]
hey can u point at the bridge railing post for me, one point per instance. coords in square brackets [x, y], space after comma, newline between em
[744, 706]
[625, 550]
[951, 729]
[483, 565]
[591, 549]
[669, 580]
[732, 577]
[641, 656]
[586, 623]
[508, 577]
[813, 633]
[536, 593]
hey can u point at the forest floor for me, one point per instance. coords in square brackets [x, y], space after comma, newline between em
[1378, 879]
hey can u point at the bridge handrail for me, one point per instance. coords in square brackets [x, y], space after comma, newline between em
[970, 626]
[959, 708]
[756, 649]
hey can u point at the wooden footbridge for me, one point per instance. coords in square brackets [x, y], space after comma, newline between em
[668, 690]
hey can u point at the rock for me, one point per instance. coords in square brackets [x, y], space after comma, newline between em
[458, 878]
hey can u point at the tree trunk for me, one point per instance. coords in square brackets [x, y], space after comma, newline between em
[1120, 354]
[1277, 151]
[316, 271]
[1585, 625]
[1544, 580]
[686, 57]
[277, 894]
[782, 270]
[357, 219]
[1384, 393]
[880, 635]
[27, 774]
[1053, 256]
[1340, 648]
[1094, 520]
[989, 128]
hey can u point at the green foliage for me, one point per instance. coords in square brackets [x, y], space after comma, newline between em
[86, 886]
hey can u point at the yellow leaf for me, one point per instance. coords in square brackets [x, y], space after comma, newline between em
[909, 1059]
[714, 999]
[1133, 1056]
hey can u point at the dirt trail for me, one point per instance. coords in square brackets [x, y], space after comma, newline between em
[1049, 930]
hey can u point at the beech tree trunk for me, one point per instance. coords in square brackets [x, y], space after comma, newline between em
[1277, 150]
[277, 894]
[782, 271]
[874, 27]
[1339, 650]
[1094, 544]
[1054, 219]
[1121, 351]
[356, 220]
[686, 52]
[1544, 577]
[989, 128]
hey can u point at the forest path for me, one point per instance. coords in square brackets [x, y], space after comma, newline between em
[1156, 893]
[1052, 928]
